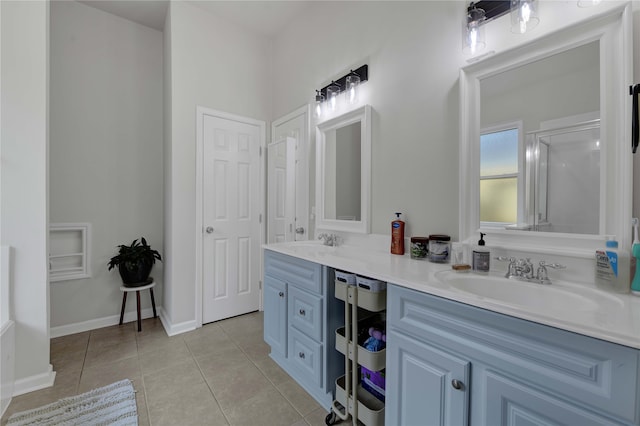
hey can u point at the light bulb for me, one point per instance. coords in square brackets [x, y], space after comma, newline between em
[319, 100]
[524, 15]
[473, 32]
[352, 83]
[332, 95]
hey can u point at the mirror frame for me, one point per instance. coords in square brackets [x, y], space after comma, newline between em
[612, 29]
[362, 115]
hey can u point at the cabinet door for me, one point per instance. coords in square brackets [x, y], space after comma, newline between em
[507, 401]
[425, 385]
[275, 315]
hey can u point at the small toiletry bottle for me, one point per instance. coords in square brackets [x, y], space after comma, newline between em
[481, 256]
[397, 236]
[635, 259]
[612, 268]
[635, 284]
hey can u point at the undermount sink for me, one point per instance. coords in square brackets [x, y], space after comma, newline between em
[552, 297]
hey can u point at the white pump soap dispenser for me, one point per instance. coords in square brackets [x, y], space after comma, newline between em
[481, 261]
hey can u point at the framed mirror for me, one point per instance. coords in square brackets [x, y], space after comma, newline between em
[545, 156]
[343, 172]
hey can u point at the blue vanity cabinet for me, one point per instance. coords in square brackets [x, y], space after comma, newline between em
[301, 315]
[275, 315]
[451, 363]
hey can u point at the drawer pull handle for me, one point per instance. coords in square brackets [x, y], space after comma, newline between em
[457, 384]
[281, 294]
[302, 312]
[301, 355]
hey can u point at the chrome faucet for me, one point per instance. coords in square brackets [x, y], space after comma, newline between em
[541, 273]
[329, 239]
[522, 269]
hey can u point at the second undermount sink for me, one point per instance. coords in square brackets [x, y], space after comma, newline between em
[499, 289]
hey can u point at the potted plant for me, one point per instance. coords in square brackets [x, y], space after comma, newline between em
[135, 262]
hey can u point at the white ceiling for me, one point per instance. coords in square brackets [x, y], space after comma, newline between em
[261, 17]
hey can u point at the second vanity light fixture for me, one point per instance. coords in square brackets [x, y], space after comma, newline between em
[524, 17]
[327, 98]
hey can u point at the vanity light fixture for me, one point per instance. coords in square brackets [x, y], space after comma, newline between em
[479, 13]
[326, 99]
[473, 40]
[524, 15]
[351, 87]
[332, 95]
[319, 100]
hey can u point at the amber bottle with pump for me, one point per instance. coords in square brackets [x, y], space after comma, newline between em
[397, 235]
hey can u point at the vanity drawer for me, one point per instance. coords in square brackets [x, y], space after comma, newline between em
[294, 271]
[591, 372]
[306, 356]
[305, 312]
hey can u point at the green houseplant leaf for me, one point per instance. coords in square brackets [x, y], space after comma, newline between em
[134, 261]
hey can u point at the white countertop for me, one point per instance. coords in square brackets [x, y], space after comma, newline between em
[607, 316]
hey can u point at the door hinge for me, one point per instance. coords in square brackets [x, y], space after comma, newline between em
[260, 285]
[260, 151]
[260, 218]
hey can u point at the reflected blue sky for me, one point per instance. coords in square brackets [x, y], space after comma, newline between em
[499, 153]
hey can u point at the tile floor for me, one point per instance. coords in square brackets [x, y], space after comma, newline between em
[220, 374]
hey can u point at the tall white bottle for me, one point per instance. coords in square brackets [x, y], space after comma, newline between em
[612, 268]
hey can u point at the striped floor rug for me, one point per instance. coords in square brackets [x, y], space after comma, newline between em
[114, 404]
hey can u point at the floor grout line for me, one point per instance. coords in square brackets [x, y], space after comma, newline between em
[242, 337]
[193, 357]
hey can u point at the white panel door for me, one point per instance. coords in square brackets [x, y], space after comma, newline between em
[231, 208]
[296, 125]
[281, 190]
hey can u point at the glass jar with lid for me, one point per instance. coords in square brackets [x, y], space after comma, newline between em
[419, 247]
[439, 248]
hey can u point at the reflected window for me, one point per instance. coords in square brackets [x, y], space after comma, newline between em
[499, 176]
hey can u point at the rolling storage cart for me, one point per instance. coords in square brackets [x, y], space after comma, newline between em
[352, 399]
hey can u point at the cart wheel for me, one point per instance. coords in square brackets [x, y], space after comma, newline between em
[330, 419]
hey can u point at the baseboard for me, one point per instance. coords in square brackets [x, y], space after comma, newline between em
[79, 327]
[173, 329]
[34, 383]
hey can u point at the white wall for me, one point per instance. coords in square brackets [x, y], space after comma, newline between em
[167, 172]
[414, 52]
[636, 79]
[220, 66]
[106, 161]
[23, 218]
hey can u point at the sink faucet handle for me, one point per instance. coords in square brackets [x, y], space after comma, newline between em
[505, 259]
[552, 265]
[512, 269]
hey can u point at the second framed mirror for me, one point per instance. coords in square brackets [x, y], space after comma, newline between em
[343, 172]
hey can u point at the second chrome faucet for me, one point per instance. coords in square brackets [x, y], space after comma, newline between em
[522, 269]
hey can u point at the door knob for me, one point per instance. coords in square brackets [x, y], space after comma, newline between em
[300, 230]
[209, 229]
[457, 384]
